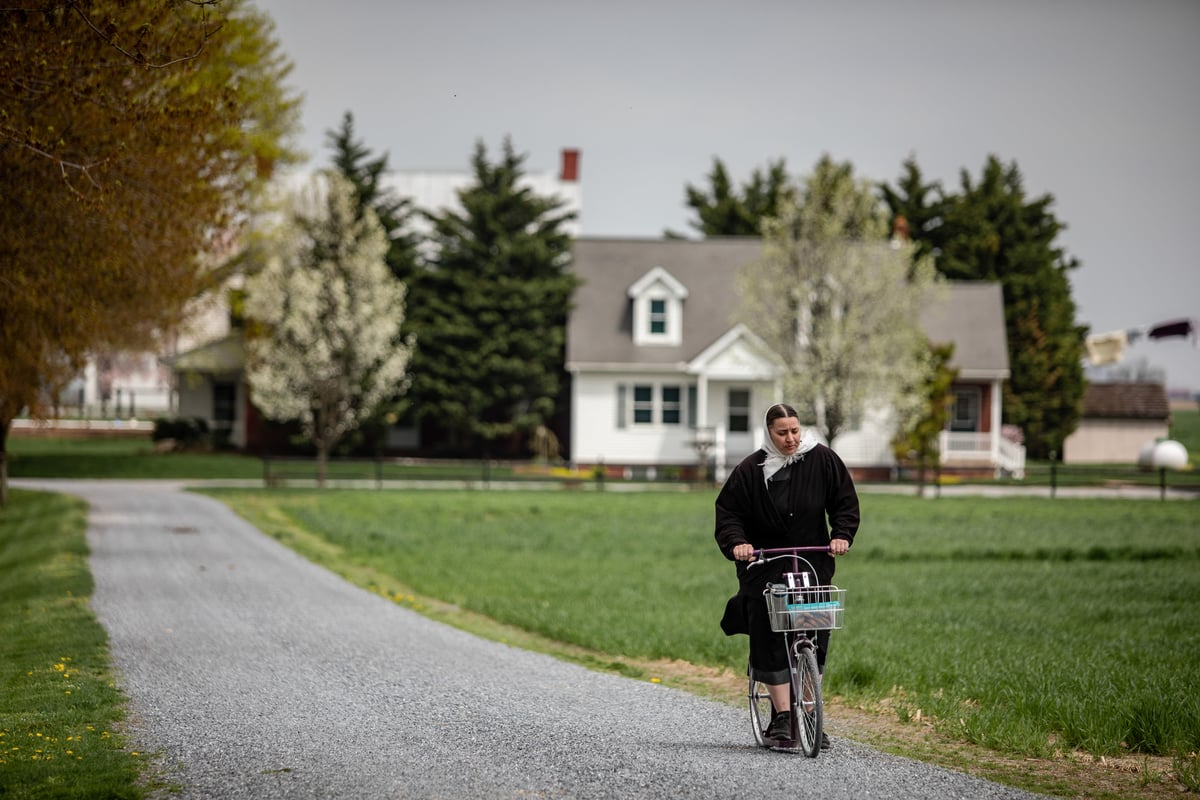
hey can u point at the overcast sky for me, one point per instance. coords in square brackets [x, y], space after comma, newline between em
[1097, 101]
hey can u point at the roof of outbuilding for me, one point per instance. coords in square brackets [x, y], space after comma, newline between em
[1126, 401]
[600, 330]
[225, 355]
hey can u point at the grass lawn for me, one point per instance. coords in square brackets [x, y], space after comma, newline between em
[59, 709]
[119, 457]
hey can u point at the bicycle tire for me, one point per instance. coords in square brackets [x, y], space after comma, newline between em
[807, 711]
[760, 710]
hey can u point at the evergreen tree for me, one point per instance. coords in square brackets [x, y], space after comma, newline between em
[722, 210]
[491, 323]
[918, 210]
[353, 159]
[991, 231]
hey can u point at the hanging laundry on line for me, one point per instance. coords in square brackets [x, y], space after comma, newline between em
[1109, 348]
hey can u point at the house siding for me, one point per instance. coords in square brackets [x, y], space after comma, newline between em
[1111, 441]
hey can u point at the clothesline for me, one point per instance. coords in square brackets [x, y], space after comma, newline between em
[1109, 348]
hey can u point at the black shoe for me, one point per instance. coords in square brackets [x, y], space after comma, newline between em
[781, 726]
[824, 741]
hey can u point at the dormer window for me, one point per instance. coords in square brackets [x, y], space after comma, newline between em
[658, 317]
[657, 308]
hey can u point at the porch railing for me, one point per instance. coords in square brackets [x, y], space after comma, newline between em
[962, 448]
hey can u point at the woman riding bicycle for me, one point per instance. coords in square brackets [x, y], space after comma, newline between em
[793, 492]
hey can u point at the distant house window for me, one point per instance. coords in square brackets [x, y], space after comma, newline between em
[967, 403]
[656, 301]
[739, 410]
[658, 317]
[224, 410]
[670, 405]
[643, 405]
[622, 402]
[692, 404]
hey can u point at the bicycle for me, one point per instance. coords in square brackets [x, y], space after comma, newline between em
[797, 608]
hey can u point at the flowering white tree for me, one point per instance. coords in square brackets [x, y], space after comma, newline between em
[326, 312]
[838, 301]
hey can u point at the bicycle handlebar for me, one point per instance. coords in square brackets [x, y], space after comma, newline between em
[776, 553]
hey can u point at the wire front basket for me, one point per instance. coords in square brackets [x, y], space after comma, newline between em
[805, 608]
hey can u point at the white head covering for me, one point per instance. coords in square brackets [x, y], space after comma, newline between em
[776, 460]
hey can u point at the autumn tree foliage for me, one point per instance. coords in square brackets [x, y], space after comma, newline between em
[326, 312]
[133, 136]
[836, 300]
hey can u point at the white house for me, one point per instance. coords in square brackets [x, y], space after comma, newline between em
[662, 376]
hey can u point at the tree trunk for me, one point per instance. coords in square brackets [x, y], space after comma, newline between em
[4, 462]
[322, 462]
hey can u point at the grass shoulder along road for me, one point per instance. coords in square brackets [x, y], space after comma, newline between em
[60, 711]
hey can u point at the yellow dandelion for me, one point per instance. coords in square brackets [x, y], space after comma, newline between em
[656, 680]
[60, 667]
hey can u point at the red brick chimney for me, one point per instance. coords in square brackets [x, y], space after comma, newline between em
[570, 165]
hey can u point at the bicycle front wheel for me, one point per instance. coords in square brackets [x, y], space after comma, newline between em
[807, 714]
[760, 710]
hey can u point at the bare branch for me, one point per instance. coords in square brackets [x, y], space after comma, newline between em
[137, 57]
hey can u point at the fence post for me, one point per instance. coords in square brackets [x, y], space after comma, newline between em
[266, 472]
[1162, 483]
[1053, 473]
[378, 472]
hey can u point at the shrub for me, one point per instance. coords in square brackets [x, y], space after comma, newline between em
[185, 432]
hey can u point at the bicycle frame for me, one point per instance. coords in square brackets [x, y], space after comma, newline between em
[805, 687]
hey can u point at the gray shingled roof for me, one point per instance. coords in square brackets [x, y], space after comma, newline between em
[971, 315]
[601, 325]
[1126, 401]
[600, 328]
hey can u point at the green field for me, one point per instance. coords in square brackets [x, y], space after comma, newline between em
[1030, 626]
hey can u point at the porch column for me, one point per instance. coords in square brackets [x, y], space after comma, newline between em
[994, 439]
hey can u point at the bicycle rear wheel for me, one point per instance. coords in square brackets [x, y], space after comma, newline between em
[807, 713]
[760, 710]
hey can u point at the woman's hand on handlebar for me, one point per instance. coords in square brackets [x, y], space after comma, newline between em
[838, 547]
[743, 552]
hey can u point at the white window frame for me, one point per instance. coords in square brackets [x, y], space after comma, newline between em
[657, 286]
[969, 399]
[653, 404]
[745, 410]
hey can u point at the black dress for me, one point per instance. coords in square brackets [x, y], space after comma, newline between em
[805, 504]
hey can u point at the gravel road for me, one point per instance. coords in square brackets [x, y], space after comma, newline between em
[253, 673]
